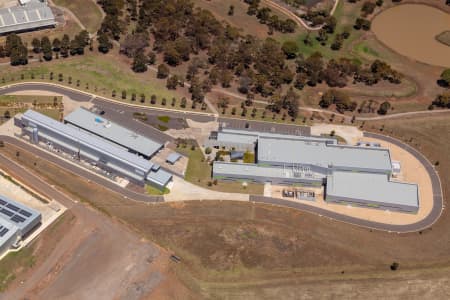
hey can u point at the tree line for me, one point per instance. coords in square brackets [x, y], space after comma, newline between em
[17, 50]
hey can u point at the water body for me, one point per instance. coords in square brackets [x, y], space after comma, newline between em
[410, 29]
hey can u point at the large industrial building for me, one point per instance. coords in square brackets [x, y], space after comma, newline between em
[113, 132]
[351, 174]
[92, 148]
[30, 15]
[16, 222]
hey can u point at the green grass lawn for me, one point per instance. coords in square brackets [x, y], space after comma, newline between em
[96, 73]
[362, 48]
[86, 11]
[199, 172]
[444, 38]
[23, 259]
[164, 119]
[249, 157]
[346, 15]
[151, 190]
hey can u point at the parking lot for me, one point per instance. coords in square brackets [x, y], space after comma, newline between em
[125, 118]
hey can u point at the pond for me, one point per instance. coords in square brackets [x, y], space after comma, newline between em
[411, 30]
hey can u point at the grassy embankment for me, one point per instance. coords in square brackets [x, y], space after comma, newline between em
[199, 172]
[99, 74]
[444, 38]
[14, 104]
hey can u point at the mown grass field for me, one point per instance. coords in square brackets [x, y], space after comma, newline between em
[101, 75]
[86, 11]
[14, 104]
[444, 38]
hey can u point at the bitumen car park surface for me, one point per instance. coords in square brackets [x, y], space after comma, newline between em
[428, 221]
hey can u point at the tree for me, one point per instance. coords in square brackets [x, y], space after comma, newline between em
[384, 108]
[56, 44]
[330, 24]
[46, 48]
[223, 102]
[394, 266]
[36, 43]
[65, 44]
[362, 24]
[172, 82]
[153, 99]
[7, 114]
[16, 50]
[124, 94]
[151, 57]
[339, 98]
[368, 8]
[231, 10]
[290, 49]
[442, 100]
[139, 62]
[183, 102]
[445, 78]
[163, 71]
[104, 44]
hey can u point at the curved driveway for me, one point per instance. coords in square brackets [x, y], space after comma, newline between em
[429, 220]
[82, 96]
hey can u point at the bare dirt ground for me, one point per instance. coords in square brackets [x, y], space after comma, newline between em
[429, 23]
[96, 257]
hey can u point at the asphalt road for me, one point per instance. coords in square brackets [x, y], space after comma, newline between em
[234, 123]
[128, 110]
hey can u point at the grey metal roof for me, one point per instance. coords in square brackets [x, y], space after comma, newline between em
[113, 132]
[373, 188]
[88, 140]
[159, 177]
[253, 170]
[17, 213]
[173, 157]
[32, 15]
[321, 154]
[278, 135]
[247, 139]
[7, 231]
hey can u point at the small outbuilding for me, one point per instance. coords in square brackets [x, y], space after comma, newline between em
[173, 158]
[236, 155]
